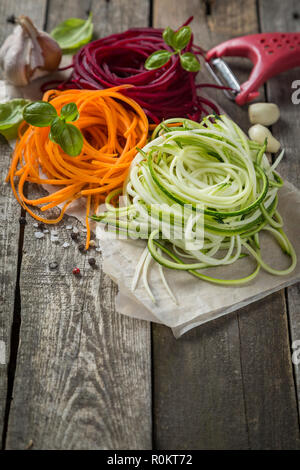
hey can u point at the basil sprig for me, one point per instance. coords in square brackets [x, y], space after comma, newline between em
[67, 136]
[11, 117]
[177, 41]
[73, 33]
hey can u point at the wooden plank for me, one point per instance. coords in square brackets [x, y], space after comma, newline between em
[10, 212]
[269, 388]
[83, 378]
[9, 241]
[198, 394]
[17, 7]
[228, 411]
[60, 10]
[285, 17]
[115, 16]
[204, 408]
[268, 374]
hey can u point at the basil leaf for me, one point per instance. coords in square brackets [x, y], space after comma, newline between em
[157, 59]
[168, 36]
[71, 140]
[189, 62]
[73, 33]
[39, 113]
[56, 129]
[182, 38]
[68, 137]
[11, 116]
[69, 112]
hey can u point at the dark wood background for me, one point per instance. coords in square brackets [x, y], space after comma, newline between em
[77, 374]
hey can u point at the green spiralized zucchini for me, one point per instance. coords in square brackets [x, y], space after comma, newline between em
[200, 194]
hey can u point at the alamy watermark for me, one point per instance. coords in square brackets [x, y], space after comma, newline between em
[296, 352]
[2, 352]
[296, 94]
[176, 222]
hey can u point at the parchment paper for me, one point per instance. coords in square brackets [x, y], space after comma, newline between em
[198, 301]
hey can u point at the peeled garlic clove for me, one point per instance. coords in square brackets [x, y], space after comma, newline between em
[263, 113]
[259, 133]
[44, 43]
[28, 52]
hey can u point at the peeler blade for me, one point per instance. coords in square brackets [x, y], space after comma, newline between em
[224, 76]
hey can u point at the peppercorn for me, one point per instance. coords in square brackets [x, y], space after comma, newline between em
[41, 226]
[81, 247]
[76, 271]
[11, 19]
[22, 221]
[92, 261]
[74, 236]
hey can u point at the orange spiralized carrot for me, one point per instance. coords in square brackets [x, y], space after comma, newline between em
[112, 125]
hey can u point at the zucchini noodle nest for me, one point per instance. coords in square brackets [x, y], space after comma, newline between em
[201, 194]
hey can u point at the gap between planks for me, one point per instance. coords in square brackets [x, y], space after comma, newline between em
[15, 334]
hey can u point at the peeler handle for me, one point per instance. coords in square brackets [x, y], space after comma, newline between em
[270, 53]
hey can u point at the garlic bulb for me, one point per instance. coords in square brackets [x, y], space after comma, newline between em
[28, 53]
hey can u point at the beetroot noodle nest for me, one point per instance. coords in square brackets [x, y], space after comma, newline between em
[119, 59]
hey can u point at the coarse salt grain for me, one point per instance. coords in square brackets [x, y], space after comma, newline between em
[39, 235]
[53, 265]
[75, 230]
[66, 245]
[69, 227]
[36, 225]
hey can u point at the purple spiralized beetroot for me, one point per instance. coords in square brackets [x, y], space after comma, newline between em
[164, 93]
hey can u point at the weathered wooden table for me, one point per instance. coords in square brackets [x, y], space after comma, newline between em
[75, 374]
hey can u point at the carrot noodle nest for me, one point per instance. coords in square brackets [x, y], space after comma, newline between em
[112, 125]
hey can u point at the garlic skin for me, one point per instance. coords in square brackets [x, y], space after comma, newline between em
[14, 55]
[259, 133]
[28, 53]
[263, 113]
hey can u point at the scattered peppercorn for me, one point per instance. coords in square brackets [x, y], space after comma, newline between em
[41, 226]
[11, 19]
[81, 247]
[53, 265]
[74, 236]
[76, 271]
[22, 221]
[92, 261]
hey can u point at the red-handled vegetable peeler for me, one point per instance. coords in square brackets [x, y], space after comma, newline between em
[270, 53]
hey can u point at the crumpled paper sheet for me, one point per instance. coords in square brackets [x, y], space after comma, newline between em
[198, 301]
